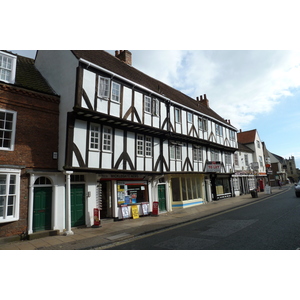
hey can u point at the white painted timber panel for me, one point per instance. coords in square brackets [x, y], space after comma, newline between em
[89, 82]
[114, 109]
[138, 104]
[127, 98]
[80, 132]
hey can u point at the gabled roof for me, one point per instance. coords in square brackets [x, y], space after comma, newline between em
[279, 158]
[246, 137]
[28, 77]
[244, 148]
[113, 64]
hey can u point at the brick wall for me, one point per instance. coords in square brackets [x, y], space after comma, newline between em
[35, 141]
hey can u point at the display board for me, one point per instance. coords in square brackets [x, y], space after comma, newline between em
[135, 211]
[125, 211]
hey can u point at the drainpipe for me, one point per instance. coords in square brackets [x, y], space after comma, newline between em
[68, 203]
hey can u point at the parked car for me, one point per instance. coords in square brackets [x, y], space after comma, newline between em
[297, 189]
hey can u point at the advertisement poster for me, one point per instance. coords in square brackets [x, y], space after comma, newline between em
[145, 209]
[125, 212]
[135, 211]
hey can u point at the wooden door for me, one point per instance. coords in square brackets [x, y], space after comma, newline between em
[77, 205]
[162, 201]
[42, 206]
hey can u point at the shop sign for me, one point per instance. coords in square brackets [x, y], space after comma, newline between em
[125, 212]
[213, 166]
[155, 208]
[96, 217]
[145, 209]
[135, 212]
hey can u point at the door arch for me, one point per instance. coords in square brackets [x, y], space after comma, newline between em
[42, 204]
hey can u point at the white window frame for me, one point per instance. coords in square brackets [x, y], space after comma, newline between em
[115, 92]
[94, 144]
[6, 194]
[261, 161]
[236, 159]
[4, 130]
[246, 160]
[215, 155]
[148, 146]
[227, 158]
[258, 143]
[147, 104]
[190, 117]
[155, 107]
[107, 139]
[140, 145]
[177, 115]
[197, 154]
[103, 87]
[202, 124]
[11, 69]
[219, 130]
[175, 152]
[231, 134]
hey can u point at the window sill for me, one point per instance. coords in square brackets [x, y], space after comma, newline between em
[9, 219]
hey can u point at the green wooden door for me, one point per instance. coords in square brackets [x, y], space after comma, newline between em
[77, 205]
[162, 197]
[42, 204]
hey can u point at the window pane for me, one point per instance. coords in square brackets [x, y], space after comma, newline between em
[184, 192]
[1, 211]
[10, 210]
[175, 189]
[2, 198]
[189, 188]
[10, 200]
[194, 188]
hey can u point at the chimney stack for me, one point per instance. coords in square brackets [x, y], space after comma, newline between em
[204, 101]
[124, 55]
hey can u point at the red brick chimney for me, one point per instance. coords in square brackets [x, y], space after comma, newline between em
[125, 56]
[204, 101]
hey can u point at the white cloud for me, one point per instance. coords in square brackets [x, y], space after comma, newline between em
[239, 84]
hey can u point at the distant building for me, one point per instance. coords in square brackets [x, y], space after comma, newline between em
[291, 169]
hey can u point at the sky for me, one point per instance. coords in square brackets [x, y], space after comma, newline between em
[254, 89]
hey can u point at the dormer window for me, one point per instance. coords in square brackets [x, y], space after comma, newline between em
[7, 67]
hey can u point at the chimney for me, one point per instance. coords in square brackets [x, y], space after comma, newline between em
[204, 101]
[125, 56]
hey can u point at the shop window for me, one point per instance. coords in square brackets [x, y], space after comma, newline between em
[131, 193]
[186, 188]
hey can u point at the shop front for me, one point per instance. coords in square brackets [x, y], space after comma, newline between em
[117, 195]
[221, 186]
[187, 190]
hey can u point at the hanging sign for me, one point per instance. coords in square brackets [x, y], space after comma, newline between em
[155, 208]
[135, 212]
[125, 212]
[145, 209]
[213, 166]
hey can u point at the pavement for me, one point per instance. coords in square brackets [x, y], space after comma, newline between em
[120, 231]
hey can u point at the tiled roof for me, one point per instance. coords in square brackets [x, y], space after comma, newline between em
[113, 64]
[28, 77]
[244, 148]
[246, 137]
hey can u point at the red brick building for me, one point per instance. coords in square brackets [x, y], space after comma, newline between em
[29, 111]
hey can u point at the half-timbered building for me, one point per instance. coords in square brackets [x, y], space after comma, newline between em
[126, 138]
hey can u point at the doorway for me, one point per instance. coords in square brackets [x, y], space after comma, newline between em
[42, 206]
[162, 199]
[77, 205]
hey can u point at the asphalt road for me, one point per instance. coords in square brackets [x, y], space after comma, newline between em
[270, 224]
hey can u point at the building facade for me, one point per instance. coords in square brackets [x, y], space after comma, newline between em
[129, 140]
[29, 111]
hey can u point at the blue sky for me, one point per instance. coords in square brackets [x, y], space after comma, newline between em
[254, 89]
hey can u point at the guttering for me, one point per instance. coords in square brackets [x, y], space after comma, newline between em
[148, 90]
